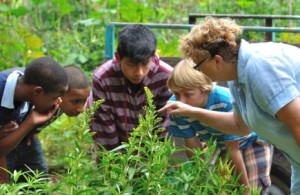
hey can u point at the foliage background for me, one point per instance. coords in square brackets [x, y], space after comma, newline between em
[73, 32]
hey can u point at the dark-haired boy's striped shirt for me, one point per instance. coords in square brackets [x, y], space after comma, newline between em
[118, 115]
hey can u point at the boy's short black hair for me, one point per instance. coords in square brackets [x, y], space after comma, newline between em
[137, 42]
[47, 73]
[77, 77]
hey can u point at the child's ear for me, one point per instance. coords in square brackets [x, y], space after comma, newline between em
[117, 56]
[37, 90]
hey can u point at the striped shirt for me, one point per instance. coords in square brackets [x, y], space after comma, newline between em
[218, 100]
[118, 115]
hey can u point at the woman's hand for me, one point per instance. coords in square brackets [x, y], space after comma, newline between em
[177, 107]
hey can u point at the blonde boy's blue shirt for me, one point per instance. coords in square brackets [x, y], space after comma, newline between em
[218, 100]
[268, 79]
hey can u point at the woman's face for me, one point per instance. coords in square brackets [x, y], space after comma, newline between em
[207, 67]
[215, 68]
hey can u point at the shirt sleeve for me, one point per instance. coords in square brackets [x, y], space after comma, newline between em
[103, 120]
[275, 85]
[228, 137]
[179, 127]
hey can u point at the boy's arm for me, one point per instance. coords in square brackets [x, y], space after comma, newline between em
[3, 173]
[8, 128]
[34, 118]
[290, 115]
[237, 161]
[192, 143]
[181, 128]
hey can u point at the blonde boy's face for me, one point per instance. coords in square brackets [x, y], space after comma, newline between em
[193, 97]
[74, 100]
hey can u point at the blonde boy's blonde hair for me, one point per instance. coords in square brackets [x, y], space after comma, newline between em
[211, 34]
[184, 77]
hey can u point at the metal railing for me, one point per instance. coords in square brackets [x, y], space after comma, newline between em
[111, 30]
[270, 35]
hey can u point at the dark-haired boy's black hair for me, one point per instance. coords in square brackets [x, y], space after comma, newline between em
[47, 73]
[137, 42]
[77, 77]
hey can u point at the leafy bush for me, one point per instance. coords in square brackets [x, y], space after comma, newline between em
[73, 32]
[144, 165]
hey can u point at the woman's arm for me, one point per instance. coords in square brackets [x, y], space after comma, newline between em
[226, 122]
[290, 115]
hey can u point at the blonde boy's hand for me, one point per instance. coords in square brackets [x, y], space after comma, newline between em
[8, 128]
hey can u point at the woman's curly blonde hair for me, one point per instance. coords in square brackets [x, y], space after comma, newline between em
[212, 36]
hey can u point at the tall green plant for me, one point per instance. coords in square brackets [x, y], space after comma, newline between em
[144, 165]
[72, 31]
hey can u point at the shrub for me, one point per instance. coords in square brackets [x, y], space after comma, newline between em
[144, 165]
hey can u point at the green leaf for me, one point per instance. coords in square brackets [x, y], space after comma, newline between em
[64, 7]
[82, 59]
[20, 11]
[37, 2]
[4, 8]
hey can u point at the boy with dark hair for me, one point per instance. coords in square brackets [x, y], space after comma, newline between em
[41, 85]
[121, 81]
[31, 155]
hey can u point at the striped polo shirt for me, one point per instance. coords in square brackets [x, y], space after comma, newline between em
[118, 115]
[218, 100]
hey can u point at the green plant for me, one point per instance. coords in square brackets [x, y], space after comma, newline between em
[73, 31]
[144, 165]
[79, 167]
[34, 183]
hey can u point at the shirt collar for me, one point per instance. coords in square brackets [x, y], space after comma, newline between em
[243, 57]
[9, 92]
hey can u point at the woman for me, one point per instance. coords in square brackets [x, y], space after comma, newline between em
[264, 82]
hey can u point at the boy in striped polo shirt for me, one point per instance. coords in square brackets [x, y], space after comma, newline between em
[121, 81]
[250, 155]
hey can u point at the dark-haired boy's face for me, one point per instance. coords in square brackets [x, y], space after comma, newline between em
[135, 72]
[44, 102]
[74, 100]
